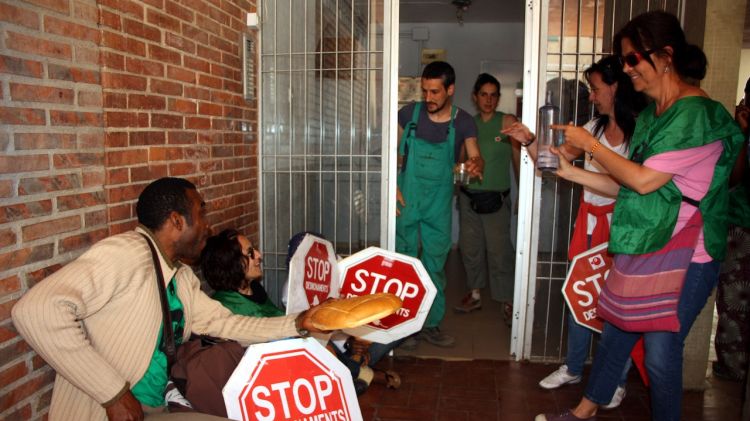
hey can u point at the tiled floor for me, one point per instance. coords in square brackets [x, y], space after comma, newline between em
[476, 380]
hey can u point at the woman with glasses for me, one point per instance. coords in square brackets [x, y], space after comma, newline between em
[617, 106]
[682, 150]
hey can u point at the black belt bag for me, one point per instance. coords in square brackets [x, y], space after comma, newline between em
[485, 201]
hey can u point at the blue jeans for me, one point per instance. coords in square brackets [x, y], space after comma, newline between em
[579, 339]
[663, 349]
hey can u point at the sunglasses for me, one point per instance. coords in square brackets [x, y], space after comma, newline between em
[251, 252]
[632, 59]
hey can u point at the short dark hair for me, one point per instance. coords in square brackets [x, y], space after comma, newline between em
[223, 262]
[162, 197]
[440, 70]
[657, 30]
[484, 79]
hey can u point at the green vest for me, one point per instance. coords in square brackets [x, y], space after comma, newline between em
[496, 152]
[644, 223]
[239, 304]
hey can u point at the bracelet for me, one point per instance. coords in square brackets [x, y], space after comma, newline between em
[593, 148]
[526, 145]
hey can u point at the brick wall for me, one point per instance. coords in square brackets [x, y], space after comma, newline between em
[96, 100]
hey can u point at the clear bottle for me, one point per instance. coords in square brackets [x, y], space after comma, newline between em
[549, 114]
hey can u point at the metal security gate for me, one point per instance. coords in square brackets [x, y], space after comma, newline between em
[322, 112]
[563, 38]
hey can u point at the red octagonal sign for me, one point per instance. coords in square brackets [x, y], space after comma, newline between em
[294, 379]
[376, 270]
[313, 274]
[583, 284]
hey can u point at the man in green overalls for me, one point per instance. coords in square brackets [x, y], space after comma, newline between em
[433, 136]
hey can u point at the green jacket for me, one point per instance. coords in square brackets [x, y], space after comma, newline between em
[644, 223]
[240, 304]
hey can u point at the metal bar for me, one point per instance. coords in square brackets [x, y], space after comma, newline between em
[389, 138]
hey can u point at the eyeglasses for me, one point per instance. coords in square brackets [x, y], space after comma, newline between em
[632, 59]
[251, 252]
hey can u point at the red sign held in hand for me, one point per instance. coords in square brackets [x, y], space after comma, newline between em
[583, 284]
[318, 271]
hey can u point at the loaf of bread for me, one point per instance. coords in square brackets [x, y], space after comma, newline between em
[356, 311]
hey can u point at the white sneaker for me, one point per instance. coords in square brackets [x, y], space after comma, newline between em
[616, 398]
[558, 378]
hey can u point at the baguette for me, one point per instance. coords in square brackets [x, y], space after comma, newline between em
[356, 311]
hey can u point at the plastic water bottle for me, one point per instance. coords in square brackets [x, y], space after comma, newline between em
[549, 114]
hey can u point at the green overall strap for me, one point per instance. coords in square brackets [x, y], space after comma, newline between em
[411, 129]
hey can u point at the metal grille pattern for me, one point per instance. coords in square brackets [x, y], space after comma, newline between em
[321, 126]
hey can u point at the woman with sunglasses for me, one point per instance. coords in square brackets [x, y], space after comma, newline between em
[684, 146]
[617, 106]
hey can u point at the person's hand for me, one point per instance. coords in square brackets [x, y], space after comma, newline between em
[400, 200]
[304, 319]
[518, 133]
[565, 167]
[742, 116]
[127, 408]
[475, 166]
[575, 136]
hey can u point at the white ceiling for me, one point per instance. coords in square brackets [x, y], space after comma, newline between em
[445, 11]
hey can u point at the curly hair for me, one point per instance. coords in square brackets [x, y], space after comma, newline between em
[223, 263]
[160, 198]
[440, 70]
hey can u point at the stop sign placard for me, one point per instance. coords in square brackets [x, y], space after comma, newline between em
[313, 274]
[293, 379]
[584, 282]
[374, 270]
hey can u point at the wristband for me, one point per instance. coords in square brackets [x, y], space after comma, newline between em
[526, 145]
[593, 148]
[301, 331]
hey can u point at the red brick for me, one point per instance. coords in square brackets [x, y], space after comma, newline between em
[93, 178]
[122, 227]
[6, 188]
[80, 241]
[176, 10]
[232, 86]
[144, 67]
[124, 193]
[48, 228]
[23, 163]
[25, 210]
[197, 64]
[182, 106]
[233, 112]
[220, 43]
[95, 218]
[196, 153]
[89, 99]
[76, 160]
[196, 34]
[163, 21]
[222, 124]
[123, 81]
[61, 6]
[19, 16]
[75, 118]
[57, 26]
[166, 121]
[180, 43]
[26, 256]
[162, 54]
[209, 81]
[120, 212]
[148, 173]
[164, 154]
[181, 74]
[85, 11]
[181, 169]
[22, 116]
[112, 61]
[166, 88]
[123, 119]
[110, 19]
[34, 277]
[26, 389]
[226, 98]
[181, 138]
[19, 66]
[7, 332]
[13, 373]
[115, 100]
[7, 238]
[86, 55]
[126, 6]
[141, 30]
[159, 4]
[117, 176]
[197, 123]
[37, 93]
[231, 9]
[208, 53]
[48, 184]
[203, 21]
[38, 46]
[124, 44]
[146, 138]
[126, 157]
[32, 141]
[91, 140]
[73, 74]
[197, 93]
[223, 71]
[207, 108]
[199, 6]
[146, 102]
[231, 61]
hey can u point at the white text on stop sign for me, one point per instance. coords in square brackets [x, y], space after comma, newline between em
[578, 287]
[311, 400]
[317, 269]
[394, 286]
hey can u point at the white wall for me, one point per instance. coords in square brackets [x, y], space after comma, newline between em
[744, 73]
[495, 48]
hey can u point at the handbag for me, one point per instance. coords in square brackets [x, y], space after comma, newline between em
[483, 202]
[199, 367]
[642, 291]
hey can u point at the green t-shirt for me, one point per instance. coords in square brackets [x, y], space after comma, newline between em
[496, 152]
[150, 388]
[240, 304]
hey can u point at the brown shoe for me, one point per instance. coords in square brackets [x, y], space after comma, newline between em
[468, 304]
